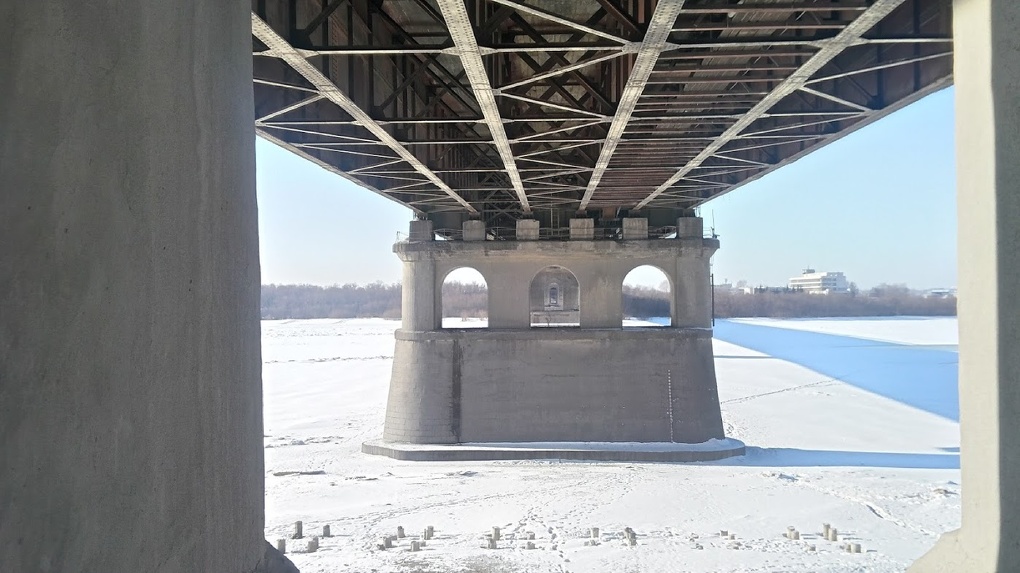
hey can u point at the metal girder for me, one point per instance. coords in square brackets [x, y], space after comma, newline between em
[289, 108]
[525, 9]
[831, 48]
[709, 115]
[461, 30]
[283, 50]
[651, 46]
[751, 7]
[835, 99]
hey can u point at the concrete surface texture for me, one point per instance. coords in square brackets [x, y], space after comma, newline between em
[130, 375]
[511, 382]
[553, 385]
[987, 76]
[586, 451]
[599, 267]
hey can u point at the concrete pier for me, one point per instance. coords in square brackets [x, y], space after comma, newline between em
[130, 371]
[595, 383]
[987, 75]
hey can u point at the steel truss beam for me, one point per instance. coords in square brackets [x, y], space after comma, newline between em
[459, 24]
[846, 38]
[656, 36]
[393, 94]
[287, 53]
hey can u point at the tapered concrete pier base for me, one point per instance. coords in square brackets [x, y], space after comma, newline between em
[515, 382]
[987, 75]
[553, 385]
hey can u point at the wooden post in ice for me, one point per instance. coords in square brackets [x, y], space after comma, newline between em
[313, 544]
[415, 546]
[495, 534]
[594, 532]
[326, 532]
[426, 535]
[833, 534]
[387, 542]
[530, 545]
[825, 530]
[296, 533]
[400, 532]
[281, 545]
[856, 548]
[492, 543]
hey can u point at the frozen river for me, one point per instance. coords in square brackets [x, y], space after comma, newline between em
[848, 422]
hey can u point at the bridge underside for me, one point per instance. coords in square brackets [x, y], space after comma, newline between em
[509, 109]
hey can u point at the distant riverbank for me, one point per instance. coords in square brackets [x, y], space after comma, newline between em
[471, 300]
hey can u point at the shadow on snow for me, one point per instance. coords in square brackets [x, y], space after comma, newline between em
[924, 377]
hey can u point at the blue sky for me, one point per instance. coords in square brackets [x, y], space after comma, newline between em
[879, 205]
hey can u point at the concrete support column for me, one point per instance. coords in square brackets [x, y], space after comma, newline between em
[130, 368]
[601, 298]
[582, 229]
[527, 230]
[474, 230]
[421, 230]
[690, 228]
[987, 76]
[420, 295]
[635, 229]
[509, 288]
[692, 292]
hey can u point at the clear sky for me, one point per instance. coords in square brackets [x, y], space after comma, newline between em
[879, 205]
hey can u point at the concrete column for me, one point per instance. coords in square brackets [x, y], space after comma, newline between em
[421, 230]
[635, 228]
[690, 228]
[420, 297]
[527, 230]
[509, 302]
[692, 292]
[601, 300]
[474, 230]
[987, 76]
[130, 369]
[582, 229]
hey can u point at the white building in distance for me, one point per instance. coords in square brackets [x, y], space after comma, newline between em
[820, 282]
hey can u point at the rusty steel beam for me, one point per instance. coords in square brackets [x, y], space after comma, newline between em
[292, 57]
[655, 40]
[849, 36]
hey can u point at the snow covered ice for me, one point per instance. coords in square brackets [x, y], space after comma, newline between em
[870, 448]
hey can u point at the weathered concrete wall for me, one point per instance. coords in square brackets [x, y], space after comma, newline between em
[599, 267]
[130, 376]
[987, 76]
[511, 382]
[640, 385]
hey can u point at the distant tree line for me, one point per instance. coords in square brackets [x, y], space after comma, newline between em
[883, 300]
[644, 302]
[347, 301]
[470, 300]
